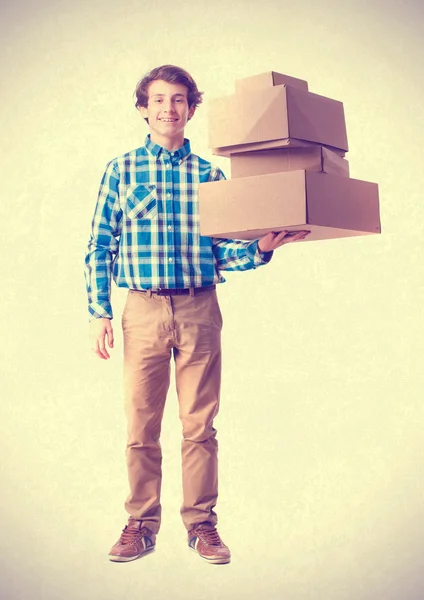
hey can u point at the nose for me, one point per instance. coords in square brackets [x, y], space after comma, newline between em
[167, 106]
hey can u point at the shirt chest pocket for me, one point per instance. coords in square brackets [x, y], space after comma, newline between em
[141, 202]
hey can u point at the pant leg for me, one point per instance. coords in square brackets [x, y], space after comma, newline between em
[146, 323]
[197, 354]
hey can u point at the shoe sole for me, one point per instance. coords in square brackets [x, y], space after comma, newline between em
[213, 561]
[129, 558]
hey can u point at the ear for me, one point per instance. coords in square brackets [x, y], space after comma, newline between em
[191, 112]
[143, 111]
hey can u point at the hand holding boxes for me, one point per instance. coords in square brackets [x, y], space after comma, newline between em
[286, 147]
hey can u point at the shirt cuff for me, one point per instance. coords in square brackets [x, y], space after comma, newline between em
[100, 311]
[259, 258]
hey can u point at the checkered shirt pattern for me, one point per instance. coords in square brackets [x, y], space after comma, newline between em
[146, 232]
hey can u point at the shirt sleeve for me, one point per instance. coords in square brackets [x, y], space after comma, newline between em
[103, 245]
[236, 255]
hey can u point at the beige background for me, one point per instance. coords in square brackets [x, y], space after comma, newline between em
[322, 457]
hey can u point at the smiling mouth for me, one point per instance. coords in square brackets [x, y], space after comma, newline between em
[168, 120]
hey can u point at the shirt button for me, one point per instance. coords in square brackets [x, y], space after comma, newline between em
[168, 195]
[169, 227]
[170, 260]
[168, 166]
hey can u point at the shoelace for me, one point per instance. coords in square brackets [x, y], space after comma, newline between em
[129, 534]
[209, 536]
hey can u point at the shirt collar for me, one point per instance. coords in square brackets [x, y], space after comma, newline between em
[156, 150]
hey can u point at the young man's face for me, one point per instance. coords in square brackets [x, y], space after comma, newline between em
[168, 112]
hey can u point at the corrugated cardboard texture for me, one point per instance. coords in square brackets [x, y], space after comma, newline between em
[328, 205]
[268, 79]
[276, 113]
[311, 158]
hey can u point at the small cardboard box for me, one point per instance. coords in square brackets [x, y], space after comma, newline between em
[268, 79]
[327, 205]
[310, 158]
[274, 114]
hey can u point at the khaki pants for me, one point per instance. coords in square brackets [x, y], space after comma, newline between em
[190, 327]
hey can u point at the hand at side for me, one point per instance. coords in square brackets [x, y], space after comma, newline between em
[99, 329]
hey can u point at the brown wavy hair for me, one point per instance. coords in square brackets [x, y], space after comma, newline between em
[171, 74]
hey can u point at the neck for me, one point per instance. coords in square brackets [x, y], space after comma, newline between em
[170, 143]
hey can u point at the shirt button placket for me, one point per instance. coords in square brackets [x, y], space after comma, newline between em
[170, 211]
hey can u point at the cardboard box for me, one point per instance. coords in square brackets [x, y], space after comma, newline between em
[269, 79]
[328, 205]
[229, 151]
[310, 158]
[275, 114]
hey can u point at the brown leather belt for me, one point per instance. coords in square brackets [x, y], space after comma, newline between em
[179, 291]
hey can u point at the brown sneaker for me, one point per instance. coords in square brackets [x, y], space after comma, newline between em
[135, 541]
[205, 540]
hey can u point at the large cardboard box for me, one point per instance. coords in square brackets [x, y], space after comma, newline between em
[329, 206]
[268, 79]
[310, 158]
[278, 113]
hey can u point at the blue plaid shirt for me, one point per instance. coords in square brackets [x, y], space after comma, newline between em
[145, 230]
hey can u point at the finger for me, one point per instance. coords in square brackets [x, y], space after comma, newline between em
[301, 234]
[266, 243]
[279, 235]
[291, 237]
[296, 236]
[270, 237]
[104, 352]
[102, 348]
[110, 338]
[283, 237]
[97, 352]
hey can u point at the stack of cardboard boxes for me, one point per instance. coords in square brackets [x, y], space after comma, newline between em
[286, 146]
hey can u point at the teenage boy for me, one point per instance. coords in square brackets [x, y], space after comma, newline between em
[145, 233]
